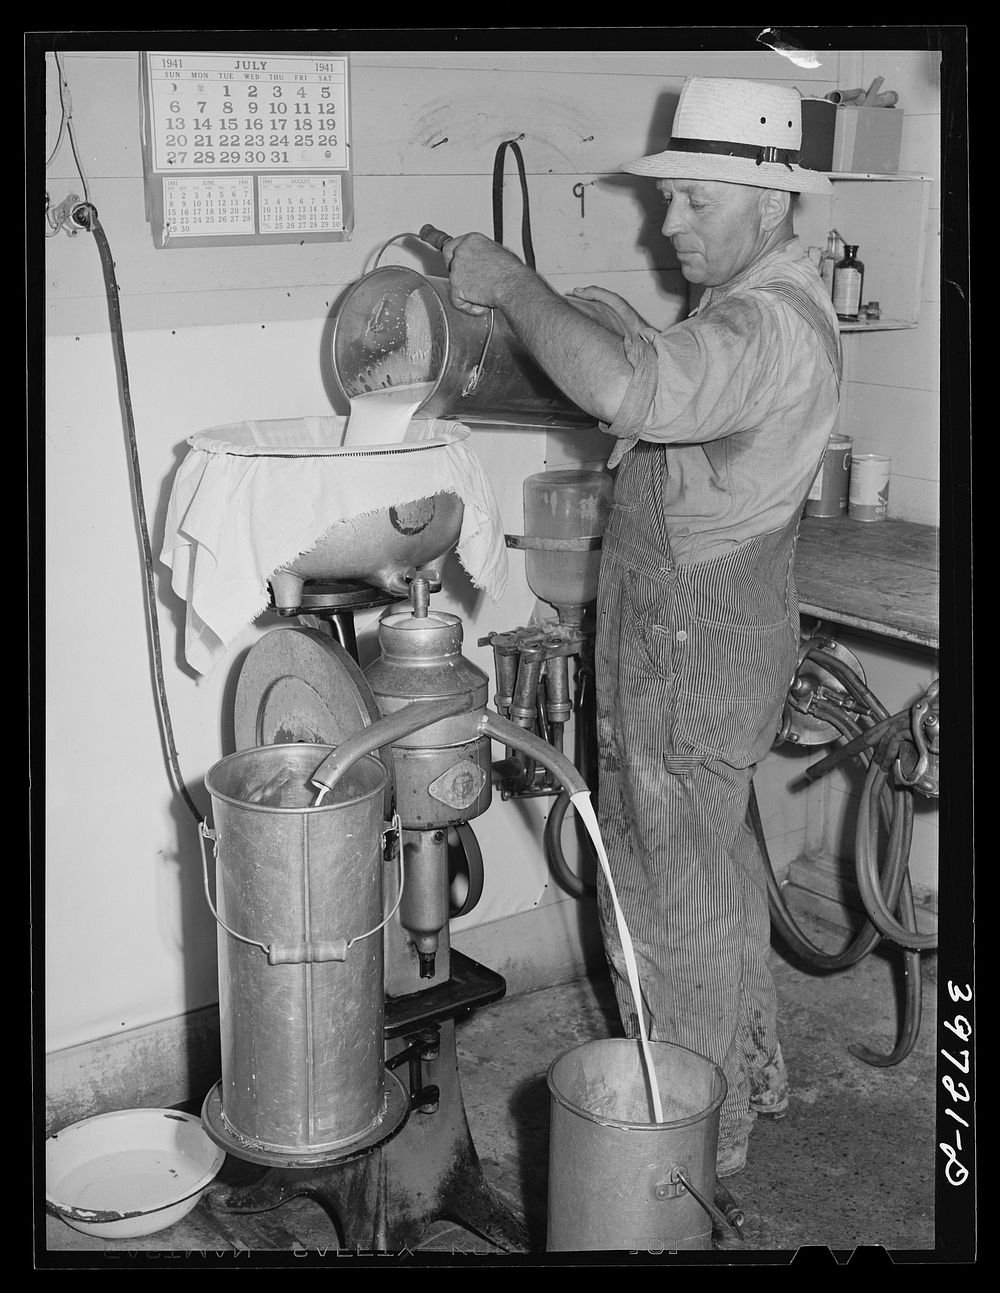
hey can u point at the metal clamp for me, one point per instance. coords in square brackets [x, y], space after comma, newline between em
[585, 543]
[924, 726]
[395, 828]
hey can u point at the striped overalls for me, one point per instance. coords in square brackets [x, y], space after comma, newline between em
[693, 664]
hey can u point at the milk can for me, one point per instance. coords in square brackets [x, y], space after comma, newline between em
[301, 971]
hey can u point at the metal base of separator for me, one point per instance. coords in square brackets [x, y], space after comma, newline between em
[384, 1200]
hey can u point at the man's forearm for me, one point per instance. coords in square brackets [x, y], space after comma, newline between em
[584, 359]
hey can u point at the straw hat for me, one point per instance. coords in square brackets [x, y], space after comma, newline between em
[741, 132]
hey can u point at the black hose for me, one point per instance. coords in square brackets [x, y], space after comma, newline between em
[868, 936]
[867, 737]
[912, 1005]
[561, 870]
[878, 910]
[87, 218]
[881, 893]
[849, 679]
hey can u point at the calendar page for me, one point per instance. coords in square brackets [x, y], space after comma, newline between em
[246, 148]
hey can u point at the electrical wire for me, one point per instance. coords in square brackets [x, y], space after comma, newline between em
[66, 128]
[64, 96]
[86, 216]
[72, 133]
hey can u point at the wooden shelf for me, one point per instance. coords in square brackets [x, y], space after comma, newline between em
[888, 216]
[878, 576]
[877, 325]
[872, 175]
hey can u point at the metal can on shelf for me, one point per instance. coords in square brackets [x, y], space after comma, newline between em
[869, 496]
[830, 490]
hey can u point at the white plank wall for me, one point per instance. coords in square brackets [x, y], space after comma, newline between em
[578, 117]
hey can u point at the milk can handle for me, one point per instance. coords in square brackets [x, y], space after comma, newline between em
[680, 1178]
[437, 238]
[205, 832]
[312, 950]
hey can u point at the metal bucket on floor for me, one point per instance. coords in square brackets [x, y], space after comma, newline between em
[616, 1180]
[301, 970]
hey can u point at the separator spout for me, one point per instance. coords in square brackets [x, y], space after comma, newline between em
[508, 733]
[394, 727]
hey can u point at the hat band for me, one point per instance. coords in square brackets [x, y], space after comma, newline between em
[759, 153]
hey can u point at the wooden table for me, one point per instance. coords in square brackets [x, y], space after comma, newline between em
[878, 576]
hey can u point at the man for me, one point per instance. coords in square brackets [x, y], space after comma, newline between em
[720, 422]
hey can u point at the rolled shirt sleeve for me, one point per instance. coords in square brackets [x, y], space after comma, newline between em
[703, 378]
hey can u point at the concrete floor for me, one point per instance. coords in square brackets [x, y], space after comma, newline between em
[852, 1164]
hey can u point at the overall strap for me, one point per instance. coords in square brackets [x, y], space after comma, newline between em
[808, 310]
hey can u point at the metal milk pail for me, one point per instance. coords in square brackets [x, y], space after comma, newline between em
[612, 1173]
[396, 327]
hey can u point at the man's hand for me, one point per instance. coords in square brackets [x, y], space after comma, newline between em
[482, 273]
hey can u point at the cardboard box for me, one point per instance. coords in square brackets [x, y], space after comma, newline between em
[819, 118]
[844, 137]
[867, 139]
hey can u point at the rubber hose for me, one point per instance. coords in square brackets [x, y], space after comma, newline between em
[862, 943]
[912, 1006]
[90, 221]
[868, 936]
[868, 737]
[566, 877]
[473, 855]
[846, 675]
[879, 911]
[895, 878]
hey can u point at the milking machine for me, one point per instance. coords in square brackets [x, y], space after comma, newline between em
[829, 701]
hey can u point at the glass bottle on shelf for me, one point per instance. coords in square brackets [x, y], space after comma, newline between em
[834, 252]
[848, 280]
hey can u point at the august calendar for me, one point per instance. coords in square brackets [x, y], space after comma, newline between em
[246, 148]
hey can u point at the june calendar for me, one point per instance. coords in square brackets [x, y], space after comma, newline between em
[246, 148]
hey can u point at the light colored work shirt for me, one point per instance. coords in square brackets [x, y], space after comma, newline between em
[743, 396]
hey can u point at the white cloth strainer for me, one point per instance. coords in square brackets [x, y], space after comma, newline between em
[250, 497]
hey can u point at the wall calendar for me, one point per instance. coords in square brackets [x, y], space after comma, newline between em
[246, 148]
